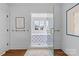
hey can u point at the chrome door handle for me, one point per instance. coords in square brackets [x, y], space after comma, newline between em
[28, 30]
[57, 30]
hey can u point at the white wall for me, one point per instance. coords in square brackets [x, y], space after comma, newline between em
[69, 43]
[4, 25]
[57, 26]
[22, 39]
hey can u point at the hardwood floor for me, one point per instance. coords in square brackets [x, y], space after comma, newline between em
[15, 53]
[57, 52]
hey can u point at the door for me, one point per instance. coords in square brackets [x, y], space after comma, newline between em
[50, 30]
[19, 26]
[18, 33]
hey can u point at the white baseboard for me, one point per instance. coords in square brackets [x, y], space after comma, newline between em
[70, 52]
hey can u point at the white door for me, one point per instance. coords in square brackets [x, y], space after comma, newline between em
[19, 28]
[18, 32]
[4, 27]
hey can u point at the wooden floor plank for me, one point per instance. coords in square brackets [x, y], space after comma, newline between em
[57, 52]
[15, 53]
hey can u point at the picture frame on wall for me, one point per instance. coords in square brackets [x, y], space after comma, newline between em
[72, 21]
[20, 23]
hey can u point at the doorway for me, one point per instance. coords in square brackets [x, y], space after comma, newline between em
[41, 30]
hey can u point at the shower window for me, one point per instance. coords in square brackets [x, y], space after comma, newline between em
[39, 25]
[36, 25]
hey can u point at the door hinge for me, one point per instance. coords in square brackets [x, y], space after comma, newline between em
[7, 30]
[7, 44]
[7, 16]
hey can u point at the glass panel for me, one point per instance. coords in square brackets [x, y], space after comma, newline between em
[46, 24]
[41, 36]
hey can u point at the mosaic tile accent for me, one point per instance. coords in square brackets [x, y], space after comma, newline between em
[41, 40]
[49, 40]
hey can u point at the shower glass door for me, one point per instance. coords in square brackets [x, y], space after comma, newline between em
[41, 30]
[50, 32]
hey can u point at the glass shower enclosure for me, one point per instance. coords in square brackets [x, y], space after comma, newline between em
[42, 31]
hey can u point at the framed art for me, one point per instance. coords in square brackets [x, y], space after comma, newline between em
[20, 23]
[72, 21]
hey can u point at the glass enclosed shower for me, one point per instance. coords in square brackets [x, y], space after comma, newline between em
[41, 34]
